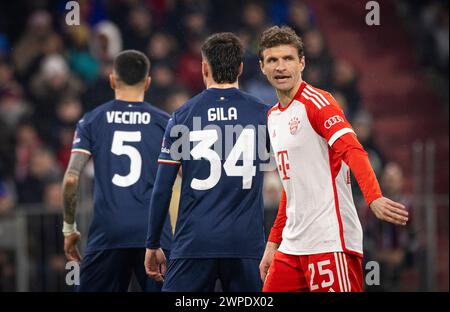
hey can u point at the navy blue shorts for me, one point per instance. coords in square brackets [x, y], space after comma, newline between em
[111, 270]
[200, 275]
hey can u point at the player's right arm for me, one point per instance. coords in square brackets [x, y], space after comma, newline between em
[168, 169]
[275, 238]
[70, 198]
[81, 152]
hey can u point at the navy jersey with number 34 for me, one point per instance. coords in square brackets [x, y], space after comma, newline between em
[124, 140]
[221, 208]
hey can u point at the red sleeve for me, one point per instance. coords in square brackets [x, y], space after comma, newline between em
[275, 235]
[354, 155]
[329, 121]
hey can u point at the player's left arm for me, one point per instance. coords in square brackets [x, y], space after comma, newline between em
[70, 198]
[330, 123]
[354, 155]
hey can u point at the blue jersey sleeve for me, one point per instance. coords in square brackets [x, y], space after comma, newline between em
[159, 204]
[82, 142]
[167, 155]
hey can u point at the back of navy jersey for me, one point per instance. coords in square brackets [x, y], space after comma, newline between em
[221, 204]
[124, 139]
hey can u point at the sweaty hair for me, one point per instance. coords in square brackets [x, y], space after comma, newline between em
[131, 67]
[275, 36]
[224, 53]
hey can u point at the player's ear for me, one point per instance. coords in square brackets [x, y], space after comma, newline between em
[148, 81]
[261, 66]
[241, 69]
[112, 81]
[302, 64]
[205, 71]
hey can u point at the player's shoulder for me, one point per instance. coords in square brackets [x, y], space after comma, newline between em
[253, 100]
[316, 99]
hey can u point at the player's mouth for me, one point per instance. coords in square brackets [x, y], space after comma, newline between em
[281, 78]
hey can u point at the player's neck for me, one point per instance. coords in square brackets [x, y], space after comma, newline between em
[216, 85]
[285, 97]
[129, 95]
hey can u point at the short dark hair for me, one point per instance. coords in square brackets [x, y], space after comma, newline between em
[275, 36]
[224, 53]
[131, 66]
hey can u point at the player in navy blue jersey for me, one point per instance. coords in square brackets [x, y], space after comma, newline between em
[218, 138]
[124, 138]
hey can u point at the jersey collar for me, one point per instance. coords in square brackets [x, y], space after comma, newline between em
[296, 96]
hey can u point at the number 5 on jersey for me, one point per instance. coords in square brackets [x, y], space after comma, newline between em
[119, 148]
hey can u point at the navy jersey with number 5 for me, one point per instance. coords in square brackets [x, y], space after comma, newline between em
[124, 140]
[217, 138]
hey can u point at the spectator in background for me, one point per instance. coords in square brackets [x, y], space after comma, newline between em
[189, 71]
[340, 98]
[12, 108]
[188, 18]
[163, 84]
[251, 60]
[8, 82]
[6, 198]
[393, 247]
[434, 21]
[53, 200]
[254, 22]
[106, 41]
[252, 80]
[80, 59]
[49, 86]
[100, 91]
[299, 17]
[362, 125]
[176, 98]
[345, 81]
[32, 43]
[194, 24]
[320, 62]
[43, 170]
[6, 151]
[26, 144]
[161, 48]
[138, 29]
[4, 46]
[68, 112]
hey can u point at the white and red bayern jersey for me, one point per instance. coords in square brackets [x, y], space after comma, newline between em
[321, 215]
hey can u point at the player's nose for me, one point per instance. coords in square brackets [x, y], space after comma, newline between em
[281, 66]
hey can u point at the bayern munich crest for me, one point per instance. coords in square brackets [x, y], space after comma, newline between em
[293, 125]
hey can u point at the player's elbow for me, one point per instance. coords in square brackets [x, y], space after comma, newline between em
[70, 181]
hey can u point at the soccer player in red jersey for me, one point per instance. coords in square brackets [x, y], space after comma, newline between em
[315, 243]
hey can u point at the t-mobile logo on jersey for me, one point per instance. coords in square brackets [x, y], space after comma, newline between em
[283, 161]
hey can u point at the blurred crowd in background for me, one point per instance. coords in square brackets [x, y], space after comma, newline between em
[51, 73]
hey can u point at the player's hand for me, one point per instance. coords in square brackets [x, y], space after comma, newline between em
[390, 211]
[269, 252]
[70, 247]
[155, 264]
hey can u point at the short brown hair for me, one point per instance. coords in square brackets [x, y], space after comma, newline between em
[275, 36]
[225, 54]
